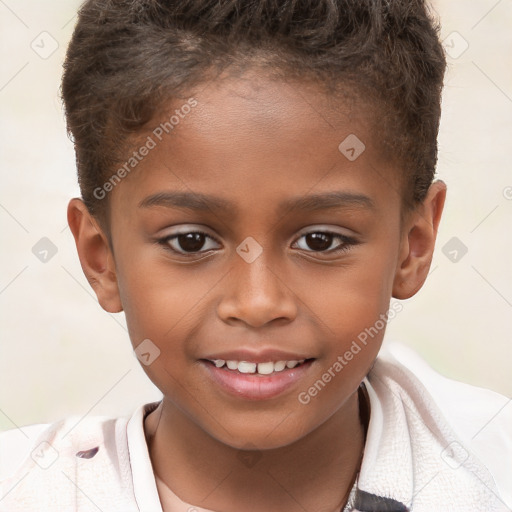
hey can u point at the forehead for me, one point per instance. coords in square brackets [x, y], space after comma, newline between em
[253, 136]
[273, 107]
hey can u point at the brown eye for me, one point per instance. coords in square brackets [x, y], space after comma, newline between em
[325, 242]
[319, 241]
[190, 242]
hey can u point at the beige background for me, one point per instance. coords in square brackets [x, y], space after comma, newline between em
[61, 354]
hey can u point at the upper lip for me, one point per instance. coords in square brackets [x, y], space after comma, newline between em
[262, 356]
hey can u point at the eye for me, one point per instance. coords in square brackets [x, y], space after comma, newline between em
[189, 242]
[322, 241]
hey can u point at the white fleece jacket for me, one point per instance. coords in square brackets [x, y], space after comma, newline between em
[448, 449]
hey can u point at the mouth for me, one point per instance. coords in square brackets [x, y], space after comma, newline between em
[253, 380]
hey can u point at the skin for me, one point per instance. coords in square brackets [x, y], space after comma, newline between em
[256, 142]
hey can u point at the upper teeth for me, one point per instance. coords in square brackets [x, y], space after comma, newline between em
[261, 368]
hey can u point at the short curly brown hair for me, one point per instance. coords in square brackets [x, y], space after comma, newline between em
[127, 57]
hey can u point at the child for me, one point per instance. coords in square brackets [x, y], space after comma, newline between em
[257, 184]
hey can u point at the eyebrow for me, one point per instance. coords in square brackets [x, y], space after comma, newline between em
[205, 202]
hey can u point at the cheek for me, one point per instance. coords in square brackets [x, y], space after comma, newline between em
[354, 299]
[164, 304]
[167, 303]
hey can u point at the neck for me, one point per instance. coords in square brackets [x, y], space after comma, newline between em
[316, 472]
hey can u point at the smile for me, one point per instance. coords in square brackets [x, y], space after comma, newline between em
[251, 380]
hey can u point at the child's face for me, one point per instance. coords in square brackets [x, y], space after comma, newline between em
[259, 145]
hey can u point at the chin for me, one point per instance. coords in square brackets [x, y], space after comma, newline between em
[261, 434]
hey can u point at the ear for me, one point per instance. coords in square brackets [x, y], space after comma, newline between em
[418, 241]
[95, 255]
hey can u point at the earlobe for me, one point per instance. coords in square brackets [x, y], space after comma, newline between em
[418, 243]
[95, 255]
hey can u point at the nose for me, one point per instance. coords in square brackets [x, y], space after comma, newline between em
[256, 294]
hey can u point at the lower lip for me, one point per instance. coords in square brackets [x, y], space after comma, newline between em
[252, 386]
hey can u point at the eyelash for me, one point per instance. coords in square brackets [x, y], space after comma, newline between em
[348, 242]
